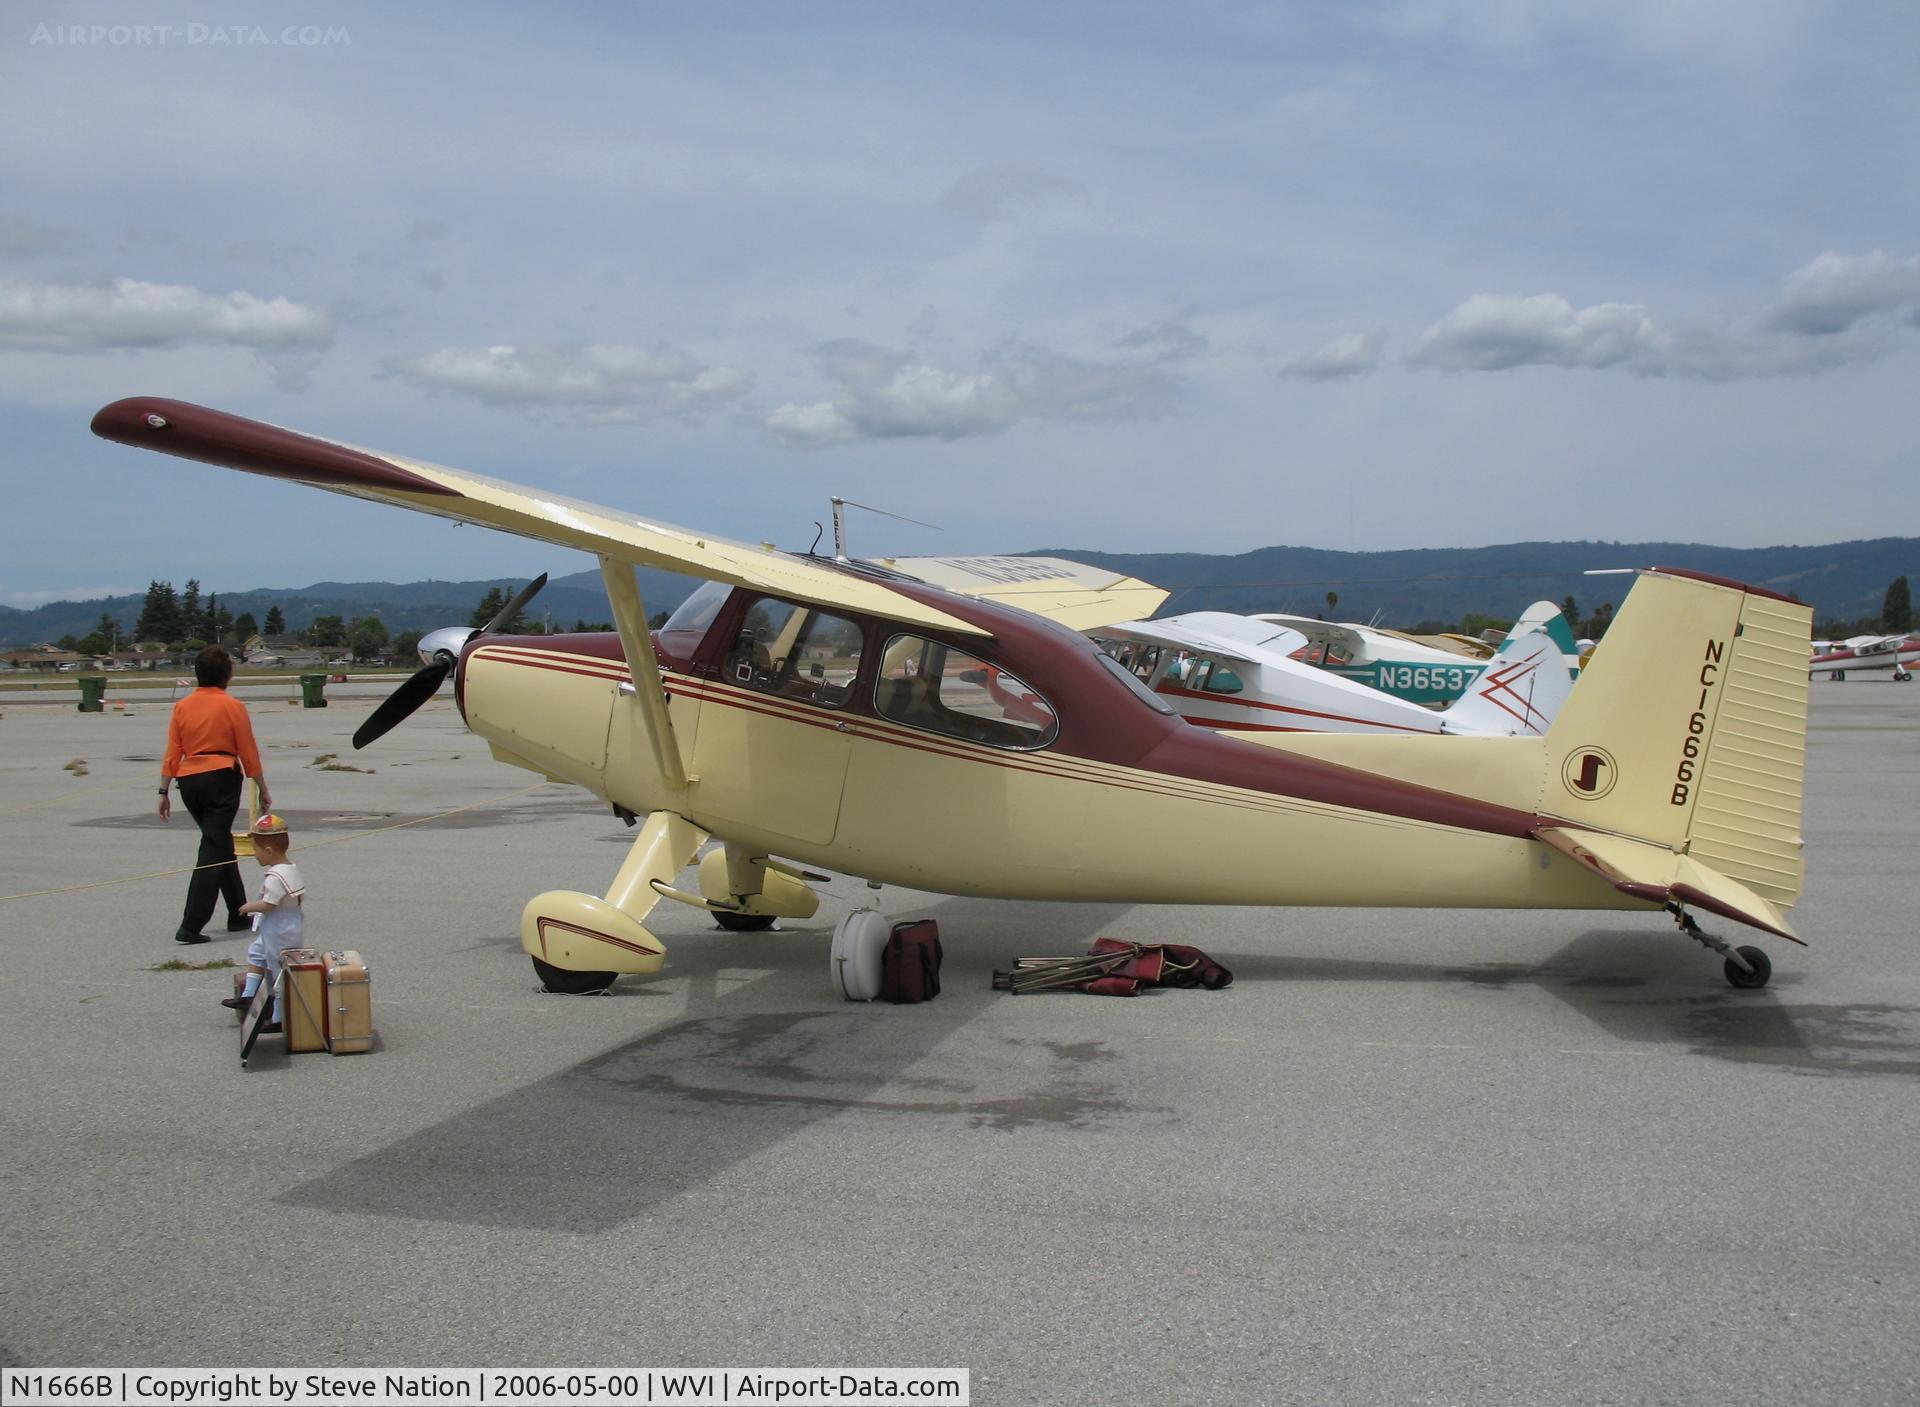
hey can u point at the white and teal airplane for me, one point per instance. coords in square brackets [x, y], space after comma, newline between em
[1407, 668]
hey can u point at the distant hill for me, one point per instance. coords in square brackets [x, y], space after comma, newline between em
[1845, 581]
[1842, 581]
[419, 605]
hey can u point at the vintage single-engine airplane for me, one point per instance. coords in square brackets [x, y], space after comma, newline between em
[1433, 670]
[841, 715]
[1245, 674]
[1866, 654]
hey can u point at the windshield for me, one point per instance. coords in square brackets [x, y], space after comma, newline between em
[698, 610]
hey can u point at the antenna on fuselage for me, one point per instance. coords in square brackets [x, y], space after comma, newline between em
[840, 506]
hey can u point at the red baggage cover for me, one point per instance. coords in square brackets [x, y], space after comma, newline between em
[910, 966]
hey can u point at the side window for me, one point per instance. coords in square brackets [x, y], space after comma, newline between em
[796, 652]
[925, 684]
[1222, 680]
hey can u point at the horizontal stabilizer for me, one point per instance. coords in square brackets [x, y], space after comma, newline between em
[1661, 876]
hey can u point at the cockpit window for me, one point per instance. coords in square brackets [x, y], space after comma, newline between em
[926, 684]
[1139, 690]
[1221, 679]
[796, 652]
[697, 612]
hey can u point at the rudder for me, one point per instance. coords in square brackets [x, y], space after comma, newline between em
[1688, 729]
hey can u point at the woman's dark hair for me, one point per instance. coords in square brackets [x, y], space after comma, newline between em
[213, 667]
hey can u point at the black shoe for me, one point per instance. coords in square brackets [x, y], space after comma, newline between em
[238, 923]
[181, 935]
[237, 1003]
[272, 1028]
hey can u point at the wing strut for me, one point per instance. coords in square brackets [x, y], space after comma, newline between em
[649, 691]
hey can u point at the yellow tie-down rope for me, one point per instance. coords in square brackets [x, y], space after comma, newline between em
[304, 845]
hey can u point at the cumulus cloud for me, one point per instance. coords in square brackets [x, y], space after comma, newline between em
[1835, 292]
[997, 192]
[887, 394]
[70, 317]
[1834, 311]
[1492, 332]
[601, 384]
[1351, 354]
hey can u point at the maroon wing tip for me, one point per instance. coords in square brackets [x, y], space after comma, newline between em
[215, 437]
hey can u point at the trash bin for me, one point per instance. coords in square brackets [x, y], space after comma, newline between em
[93, 688]
[312, 691]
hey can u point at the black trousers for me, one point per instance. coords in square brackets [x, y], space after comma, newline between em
[213, 800]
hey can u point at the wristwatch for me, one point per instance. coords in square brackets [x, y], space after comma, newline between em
[163, 791]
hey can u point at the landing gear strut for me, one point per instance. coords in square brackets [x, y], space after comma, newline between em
[1746, 967]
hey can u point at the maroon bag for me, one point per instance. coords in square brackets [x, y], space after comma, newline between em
[1176, 965]
[910, 965]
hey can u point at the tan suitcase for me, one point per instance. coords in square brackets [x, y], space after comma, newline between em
[303, 1010]
[349, 1004]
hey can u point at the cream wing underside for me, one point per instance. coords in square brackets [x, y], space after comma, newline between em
[196, 432]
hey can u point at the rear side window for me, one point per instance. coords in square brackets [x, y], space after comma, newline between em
[926, 684]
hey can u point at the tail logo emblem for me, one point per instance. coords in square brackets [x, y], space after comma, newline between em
[1590, 772]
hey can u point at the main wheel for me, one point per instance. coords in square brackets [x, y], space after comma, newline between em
[743, 923]
[569, 983]
[1762, 968]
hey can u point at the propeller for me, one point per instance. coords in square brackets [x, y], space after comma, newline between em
[425, 682]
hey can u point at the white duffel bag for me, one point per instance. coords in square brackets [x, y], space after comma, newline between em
[859, 940]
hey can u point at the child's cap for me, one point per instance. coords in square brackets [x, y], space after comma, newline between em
[269, 824]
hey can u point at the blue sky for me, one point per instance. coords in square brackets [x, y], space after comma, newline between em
[1212, 277]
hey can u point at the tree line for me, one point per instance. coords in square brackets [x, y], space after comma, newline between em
[187, 621]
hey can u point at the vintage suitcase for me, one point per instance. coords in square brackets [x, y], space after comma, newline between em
[349, 1004]
[858, 941]
[303, 1010]
[910, 966]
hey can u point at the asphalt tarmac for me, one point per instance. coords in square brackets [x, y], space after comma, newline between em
[1408, 1157]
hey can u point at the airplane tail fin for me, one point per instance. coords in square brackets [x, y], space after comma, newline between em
[1675, 768]
[1544, 615]
[1521, 690]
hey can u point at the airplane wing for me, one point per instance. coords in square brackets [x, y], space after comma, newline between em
[1214, 633]
[1332, 634]
[1077, 595]
[214, 437]
[1659, 875]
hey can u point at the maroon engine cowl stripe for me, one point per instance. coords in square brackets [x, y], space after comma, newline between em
[214, 437]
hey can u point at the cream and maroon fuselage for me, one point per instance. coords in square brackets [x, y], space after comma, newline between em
[1125, 804]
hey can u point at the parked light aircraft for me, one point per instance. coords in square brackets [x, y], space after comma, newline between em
[1866, 653]
[807, 712]
[1408, 667]
[1244, 673]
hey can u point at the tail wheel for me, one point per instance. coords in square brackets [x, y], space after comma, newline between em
[1761, 968]
[569, 983]
[743, 923]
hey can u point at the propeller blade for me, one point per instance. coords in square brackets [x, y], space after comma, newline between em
[514, 607]
[398, 706]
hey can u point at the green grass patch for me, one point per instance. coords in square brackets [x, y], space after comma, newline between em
[182, 965]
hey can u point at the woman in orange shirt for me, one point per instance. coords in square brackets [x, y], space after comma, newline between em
[209, 747]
